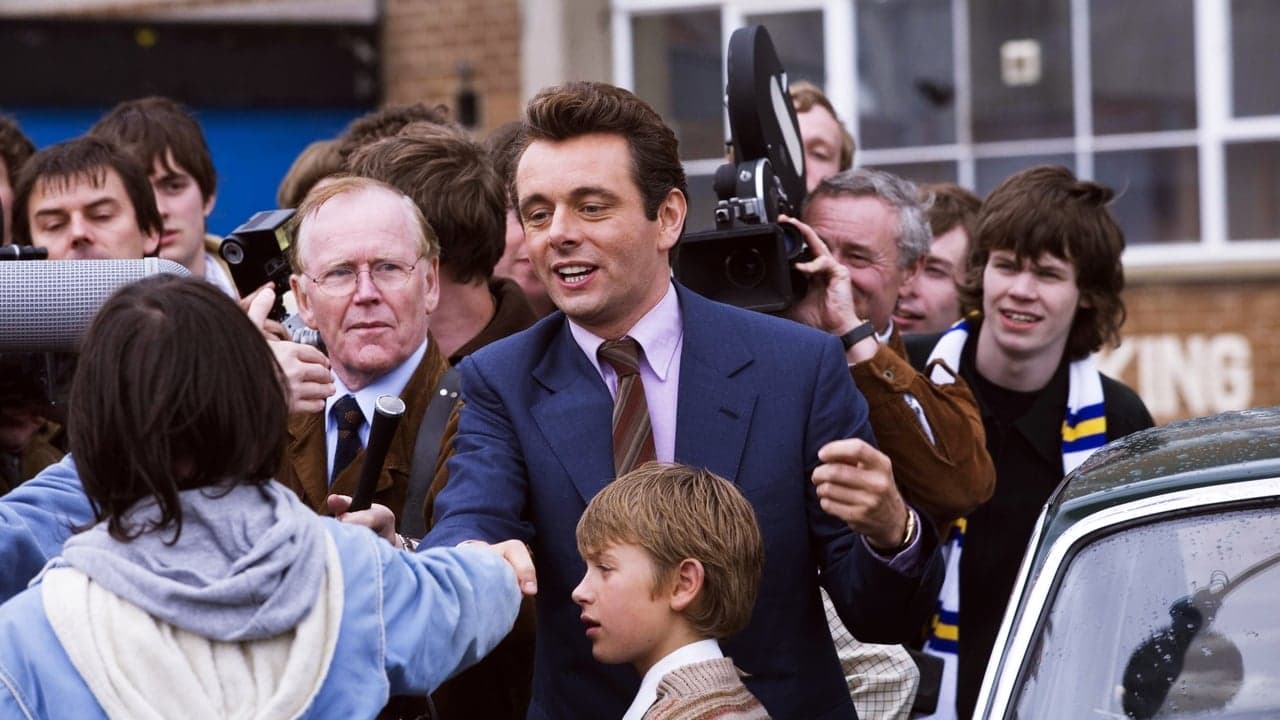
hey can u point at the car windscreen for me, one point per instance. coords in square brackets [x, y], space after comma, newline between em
[1172, 618]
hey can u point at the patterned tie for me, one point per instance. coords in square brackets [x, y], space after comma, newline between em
[346, 412]
[632, 433]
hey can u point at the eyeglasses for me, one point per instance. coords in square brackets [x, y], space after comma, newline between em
[385, 274]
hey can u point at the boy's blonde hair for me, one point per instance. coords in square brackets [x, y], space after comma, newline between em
[675, 512]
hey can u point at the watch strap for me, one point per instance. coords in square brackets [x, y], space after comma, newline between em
[857, 335]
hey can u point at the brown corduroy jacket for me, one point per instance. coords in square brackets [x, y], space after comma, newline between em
[306, 467]
[945, 478]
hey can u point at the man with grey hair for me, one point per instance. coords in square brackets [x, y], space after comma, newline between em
[869, 234]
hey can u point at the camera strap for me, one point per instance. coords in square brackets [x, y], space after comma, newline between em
[426, 451]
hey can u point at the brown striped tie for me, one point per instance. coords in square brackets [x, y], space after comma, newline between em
[632, 433]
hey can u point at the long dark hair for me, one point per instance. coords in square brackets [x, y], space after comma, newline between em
[175, 389]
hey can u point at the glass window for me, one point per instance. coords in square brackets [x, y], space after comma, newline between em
[923, 172]
[1253, 190]
[678, 71]
[1143, 65]
[1157, 193]
[992, 171]
[1255, 55]
[1189, 598]
[907, 86]
[798, 39]
[1020, 59]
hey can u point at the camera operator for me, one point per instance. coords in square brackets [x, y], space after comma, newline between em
[867, 231]
[80, 199]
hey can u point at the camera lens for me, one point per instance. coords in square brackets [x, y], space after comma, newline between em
[232, 252]
[793, 244]
[745, 268]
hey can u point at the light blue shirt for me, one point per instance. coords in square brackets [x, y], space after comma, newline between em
[392, 383]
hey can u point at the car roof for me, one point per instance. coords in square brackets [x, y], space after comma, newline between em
[1201, 452]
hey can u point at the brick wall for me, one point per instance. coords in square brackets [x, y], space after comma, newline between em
[424, 41]
[1195, 347]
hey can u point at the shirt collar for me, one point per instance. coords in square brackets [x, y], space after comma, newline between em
[883, 338]
[695, 652]
[391, 383]
[658, 333]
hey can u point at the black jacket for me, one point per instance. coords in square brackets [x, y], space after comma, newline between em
[1027, 452]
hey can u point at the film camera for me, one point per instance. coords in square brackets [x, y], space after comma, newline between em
[747, 260]
[256, 253]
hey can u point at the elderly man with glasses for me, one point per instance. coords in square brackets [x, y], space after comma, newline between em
[366, 276]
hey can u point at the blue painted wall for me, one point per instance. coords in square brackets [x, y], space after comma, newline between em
[251, 148]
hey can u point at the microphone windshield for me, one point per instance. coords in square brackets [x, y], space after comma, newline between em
[47, 305]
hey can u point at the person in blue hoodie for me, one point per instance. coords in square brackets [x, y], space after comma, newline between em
[203, 588]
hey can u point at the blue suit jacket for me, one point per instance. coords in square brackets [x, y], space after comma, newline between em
[758, 397]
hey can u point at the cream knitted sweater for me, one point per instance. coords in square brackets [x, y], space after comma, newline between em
[707, 690]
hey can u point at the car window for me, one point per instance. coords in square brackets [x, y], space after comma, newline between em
[1174, 618]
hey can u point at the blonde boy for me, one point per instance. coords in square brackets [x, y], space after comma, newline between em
[674, 557]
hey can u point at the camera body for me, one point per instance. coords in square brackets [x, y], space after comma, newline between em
[257, 254]
[748, 259]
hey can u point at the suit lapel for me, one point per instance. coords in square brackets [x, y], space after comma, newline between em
[575, 414]
[307, 455]
[715, 399]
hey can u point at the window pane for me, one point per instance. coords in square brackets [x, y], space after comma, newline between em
[1130, 40]
[1253, 190]
[1157, 197]
[677, 70]
[1020, 57]
[992, 171]
[1124, 590]
[798, 39]
[923, 172]
[1255, 55]
[905, 70]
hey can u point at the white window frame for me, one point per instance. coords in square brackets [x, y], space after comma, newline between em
[1215, 124]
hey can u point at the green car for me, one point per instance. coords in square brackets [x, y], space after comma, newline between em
[1151, 586]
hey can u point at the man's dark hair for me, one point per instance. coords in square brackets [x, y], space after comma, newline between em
[1045, 209]
[582, 108]
[316, 162]
[15, 147]
[150, 129]
[386, 122]
[505, 145]
[84, 158]
[175, 390]
[451, 179]
[951, 206]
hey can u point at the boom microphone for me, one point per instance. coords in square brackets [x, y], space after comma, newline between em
[47, 305]
[387, 412]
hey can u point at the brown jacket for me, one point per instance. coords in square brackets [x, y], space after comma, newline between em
[306, 467]
[946, 478]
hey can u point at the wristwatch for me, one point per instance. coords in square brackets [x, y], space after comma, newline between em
[857, 335]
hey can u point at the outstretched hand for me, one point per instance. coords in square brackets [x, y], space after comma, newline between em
[517, 555]
[855, 483]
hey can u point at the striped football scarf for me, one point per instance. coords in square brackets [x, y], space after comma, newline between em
[1084, 429]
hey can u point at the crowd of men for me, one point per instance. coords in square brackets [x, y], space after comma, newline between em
[895, 433]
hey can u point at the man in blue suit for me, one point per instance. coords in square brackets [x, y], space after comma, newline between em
[765, 402]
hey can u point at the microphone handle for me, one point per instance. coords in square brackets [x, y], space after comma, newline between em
[386, 417]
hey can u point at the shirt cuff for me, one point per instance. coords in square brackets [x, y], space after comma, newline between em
[909, 560]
